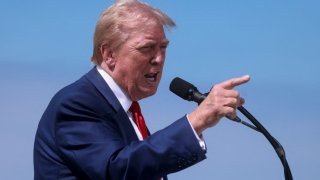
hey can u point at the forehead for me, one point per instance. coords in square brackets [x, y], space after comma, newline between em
[151, 33]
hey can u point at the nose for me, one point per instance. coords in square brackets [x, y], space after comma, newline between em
[159, 56]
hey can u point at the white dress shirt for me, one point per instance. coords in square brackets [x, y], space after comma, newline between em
[122, 97]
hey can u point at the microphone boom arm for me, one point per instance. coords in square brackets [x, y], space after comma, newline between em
[275, 144]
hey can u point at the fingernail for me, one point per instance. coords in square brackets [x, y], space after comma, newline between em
[247, 76]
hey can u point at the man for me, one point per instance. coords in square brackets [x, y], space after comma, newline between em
[89, 129]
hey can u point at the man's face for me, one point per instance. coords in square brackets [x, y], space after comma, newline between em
[139, 62]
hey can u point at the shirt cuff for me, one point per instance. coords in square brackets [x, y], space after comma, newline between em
[199, 138]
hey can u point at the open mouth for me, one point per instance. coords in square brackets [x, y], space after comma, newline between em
[151, 76]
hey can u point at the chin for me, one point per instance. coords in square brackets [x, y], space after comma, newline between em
[148, 93]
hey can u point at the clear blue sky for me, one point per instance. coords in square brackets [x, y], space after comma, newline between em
[45, 45]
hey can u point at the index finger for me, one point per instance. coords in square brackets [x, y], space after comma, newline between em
[231, 83]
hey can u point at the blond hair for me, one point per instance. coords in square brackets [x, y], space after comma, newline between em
[112, 28]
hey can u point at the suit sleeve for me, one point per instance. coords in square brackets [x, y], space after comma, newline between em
[93, 148]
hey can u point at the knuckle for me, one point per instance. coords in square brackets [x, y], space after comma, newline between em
[229, 111]
[234, 101]
[231, 101]
[216, 90]
[216, 87]
[232, 82]
[237, 94]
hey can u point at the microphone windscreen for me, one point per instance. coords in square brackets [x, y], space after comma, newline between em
[181, 88]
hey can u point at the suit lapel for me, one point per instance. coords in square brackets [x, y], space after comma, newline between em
[100, 84]
[120, 115]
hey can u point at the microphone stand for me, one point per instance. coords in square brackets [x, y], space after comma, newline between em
[275, 144]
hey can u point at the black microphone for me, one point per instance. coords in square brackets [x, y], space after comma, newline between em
[186, 91]
[189, 92]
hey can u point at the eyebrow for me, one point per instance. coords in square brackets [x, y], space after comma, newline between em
[165, 41]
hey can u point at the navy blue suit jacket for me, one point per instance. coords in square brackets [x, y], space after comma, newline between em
[85, 134]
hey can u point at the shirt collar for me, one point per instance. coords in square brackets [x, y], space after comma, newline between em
[121, 95]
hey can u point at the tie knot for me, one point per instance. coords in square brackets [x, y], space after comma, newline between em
[135, 107]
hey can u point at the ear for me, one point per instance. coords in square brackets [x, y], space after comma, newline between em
[108, 57]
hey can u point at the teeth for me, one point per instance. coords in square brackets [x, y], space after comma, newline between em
[151, 76]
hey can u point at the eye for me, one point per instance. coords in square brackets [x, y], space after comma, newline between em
[164, 46]
[146, 48]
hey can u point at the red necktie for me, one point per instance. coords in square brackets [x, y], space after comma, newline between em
[138, 119]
